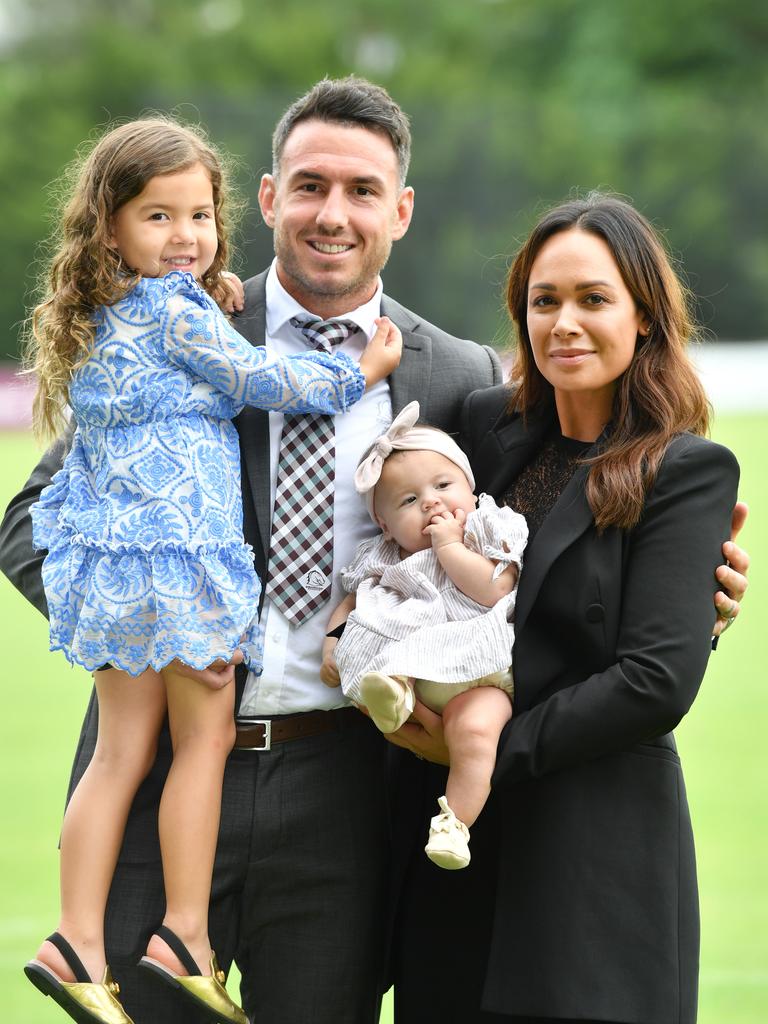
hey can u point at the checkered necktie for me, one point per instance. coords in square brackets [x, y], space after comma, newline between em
[301, 555]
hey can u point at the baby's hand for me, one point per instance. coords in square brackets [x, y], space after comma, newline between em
[382, 353]
[446, 528]
[329, 672]
[229, 295]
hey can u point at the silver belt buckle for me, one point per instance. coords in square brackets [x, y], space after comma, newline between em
[267, 723]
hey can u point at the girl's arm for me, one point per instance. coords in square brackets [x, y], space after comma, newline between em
[329, 673]
[196, 336]
[470, 571]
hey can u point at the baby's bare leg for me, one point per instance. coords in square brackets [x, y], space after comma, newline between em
[473, 722]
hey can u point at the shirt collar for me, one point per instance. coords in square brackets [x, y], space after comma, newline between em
[282, 307]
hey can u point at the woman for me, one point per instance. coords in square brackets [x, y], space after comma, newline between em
[580, 903]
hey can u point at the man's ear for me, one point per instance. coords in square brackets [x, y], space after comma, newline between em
[267, 191]
[404, 213]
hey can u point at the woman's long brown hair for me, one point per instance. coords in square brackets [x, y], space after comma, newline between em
[660, 394]
[83, 271]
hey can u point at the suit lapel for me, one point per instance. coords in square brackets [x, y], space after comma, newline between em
[569, 518]
[504, 453]
[253, 424]
[409, 382]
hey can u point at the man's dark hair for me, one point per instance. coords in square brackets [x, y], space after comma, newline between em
[349, 101]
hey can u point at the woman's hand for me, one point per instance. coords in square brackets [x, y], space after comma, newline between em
[423, 735]
[733, 576]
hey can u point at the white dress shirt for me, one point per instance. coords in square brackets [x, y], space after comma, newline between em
[290, 681]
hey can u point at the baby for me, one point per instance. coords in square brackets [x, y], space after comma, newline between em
[428, 612]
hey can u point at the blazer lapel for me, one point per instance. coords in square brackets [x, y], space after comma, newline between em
[500, 458]
[253, 424]
[569, 518]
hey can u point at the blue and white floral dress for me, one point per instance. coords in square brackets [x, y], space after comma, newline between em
[144, 524]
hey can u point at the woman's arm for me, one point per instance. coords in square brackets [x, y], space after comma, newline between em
[663, 638]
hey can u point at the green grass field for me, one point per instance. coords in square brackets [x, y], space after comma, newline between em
[723, 744]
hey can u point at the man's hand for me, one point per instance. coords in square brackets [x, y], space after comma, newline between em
[216, 676]
[329, 672]
[733, 576]
[423, 735]
[230, 294]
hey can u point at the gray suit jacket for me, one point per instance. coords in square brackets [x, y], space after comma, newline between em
[436, 369]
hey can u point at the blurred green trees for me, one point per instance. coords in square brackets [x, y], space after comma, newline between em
[514, 104]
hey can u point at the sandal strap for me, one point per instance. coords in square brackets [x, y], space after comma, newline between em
[73, 961]
[172, 940]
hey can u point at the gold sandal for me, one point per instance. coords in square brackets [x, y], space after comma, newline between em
[86, 1001]
[205, 992]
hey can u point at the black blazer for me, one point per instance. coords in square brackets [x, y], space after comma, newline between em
[596, 912]
[436, 369]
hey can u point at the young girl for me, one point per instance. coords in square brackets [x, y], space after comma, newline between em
[429, 610]
[147, 570]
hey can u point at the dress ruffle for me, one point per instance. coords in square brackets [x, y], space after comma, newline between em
[137, 609]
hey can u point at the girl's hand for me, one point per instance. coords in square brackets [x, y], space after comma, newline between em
[446, 528]
[229, 295]
[382, 353]
[423, 735]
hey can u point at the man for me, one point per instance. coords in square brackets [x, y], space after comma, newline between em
[299, 889]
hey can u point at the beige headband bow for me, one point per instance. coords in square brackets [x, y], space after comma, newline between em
[403, 435]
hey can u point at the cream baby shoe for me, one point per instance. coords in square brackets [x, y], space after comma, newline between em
[448, 844]
[389, 700]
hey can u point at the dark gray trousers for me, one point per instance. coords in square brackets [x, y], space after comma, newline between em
[299, 888]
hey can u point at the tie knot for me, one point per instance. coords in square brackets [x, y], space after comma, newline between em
[325, 334]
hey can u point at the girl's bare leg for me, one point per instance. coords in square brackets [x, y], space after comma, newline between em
[473, 722]
[203, 733]
[131, 711]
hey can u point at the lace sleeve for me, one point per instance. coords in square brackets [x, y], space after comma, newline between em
[196, 335]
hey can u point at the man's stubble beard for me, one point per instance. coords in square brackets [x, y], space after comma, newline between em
[364, 282]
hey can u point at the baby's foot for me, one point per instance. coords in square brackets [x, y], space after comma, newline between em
[448, 844]
[389, 700]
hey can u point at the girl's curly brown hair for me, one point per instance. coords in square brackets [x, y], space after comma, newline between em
[84, 272]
